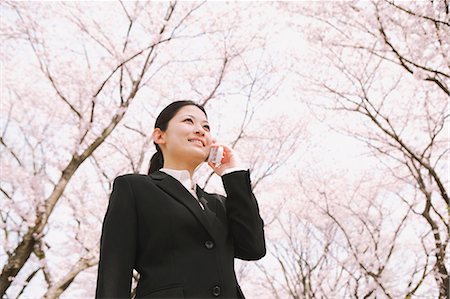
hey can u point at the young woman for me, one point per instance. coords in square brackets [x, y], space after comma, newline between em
[181, 239]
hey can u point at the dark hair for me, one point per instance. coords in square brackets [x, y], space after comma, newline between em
[162, 121]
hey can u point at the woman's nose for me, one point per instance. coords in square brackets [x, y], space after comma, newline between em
[200, 132]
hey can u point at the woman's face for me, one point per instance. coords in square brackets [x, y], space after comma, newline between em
[187, 136]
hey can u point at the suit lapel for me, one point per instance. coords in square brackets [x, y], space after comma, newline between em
[210, 205]
[176, 190]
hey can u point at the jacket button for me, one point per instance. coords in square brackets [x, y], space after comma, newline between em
[216, 291]
[209, 244]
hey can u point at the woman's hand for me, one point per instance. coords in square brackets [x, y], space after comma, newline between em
[229, 160]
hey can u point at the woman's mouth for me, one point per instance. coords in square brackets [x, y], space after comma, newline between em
[197, 141]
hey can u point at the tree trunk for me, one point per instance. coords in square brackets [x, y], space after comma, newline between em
[25, 248]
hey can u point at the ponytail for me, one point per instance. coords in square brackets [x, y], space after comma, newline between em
[157, 161]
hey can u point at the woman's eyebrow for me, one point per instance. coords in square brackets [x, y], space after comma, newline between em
[205, 121]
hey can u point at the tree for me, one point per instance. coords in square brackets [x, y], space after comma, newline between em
[90, 87]
[385, 66]
[93, 129]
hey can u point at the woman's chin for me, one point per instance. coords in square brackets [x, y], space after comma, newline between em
[197, 157]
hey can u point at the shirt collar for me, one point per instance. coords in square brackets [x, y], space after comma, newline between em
[183, 177]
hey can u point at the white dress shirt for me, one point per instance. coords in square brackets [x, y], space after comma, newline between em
[184, 178]
[189, 183]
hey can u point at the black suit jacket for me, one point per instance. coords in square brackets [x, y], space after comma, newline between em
[154, 225]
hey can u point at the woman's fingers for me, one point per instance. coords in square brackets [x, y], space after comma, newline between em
[229, 159]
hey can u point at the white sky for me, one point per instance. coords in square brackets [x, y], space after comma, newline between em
[321, 150]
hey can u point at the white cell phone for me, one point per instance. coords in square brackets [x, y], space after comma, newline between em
[215, 155]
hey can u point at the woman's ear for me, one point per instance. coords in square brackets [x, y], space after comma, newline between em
[158, 136]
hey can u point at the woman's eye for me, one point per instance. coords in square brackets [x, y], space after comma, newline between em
[206, 127]
[189, 120]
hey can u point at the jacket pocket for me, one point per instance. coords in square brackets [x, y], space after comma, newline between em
[167, 292]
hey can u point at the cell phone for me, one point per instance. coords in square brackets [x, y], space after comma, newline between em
[215, 155]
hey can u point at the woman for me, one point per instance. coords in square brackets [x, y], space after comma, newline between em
[181, 239]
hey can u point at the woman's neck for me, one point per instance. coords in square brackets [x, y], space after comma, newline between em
[181, 166]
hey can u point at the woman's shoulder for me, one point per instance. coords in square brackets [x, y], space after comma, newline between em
[133, 177]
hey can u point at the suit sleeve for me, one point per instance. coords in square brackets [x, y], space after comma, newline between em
[118, 243]
[244, 222]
